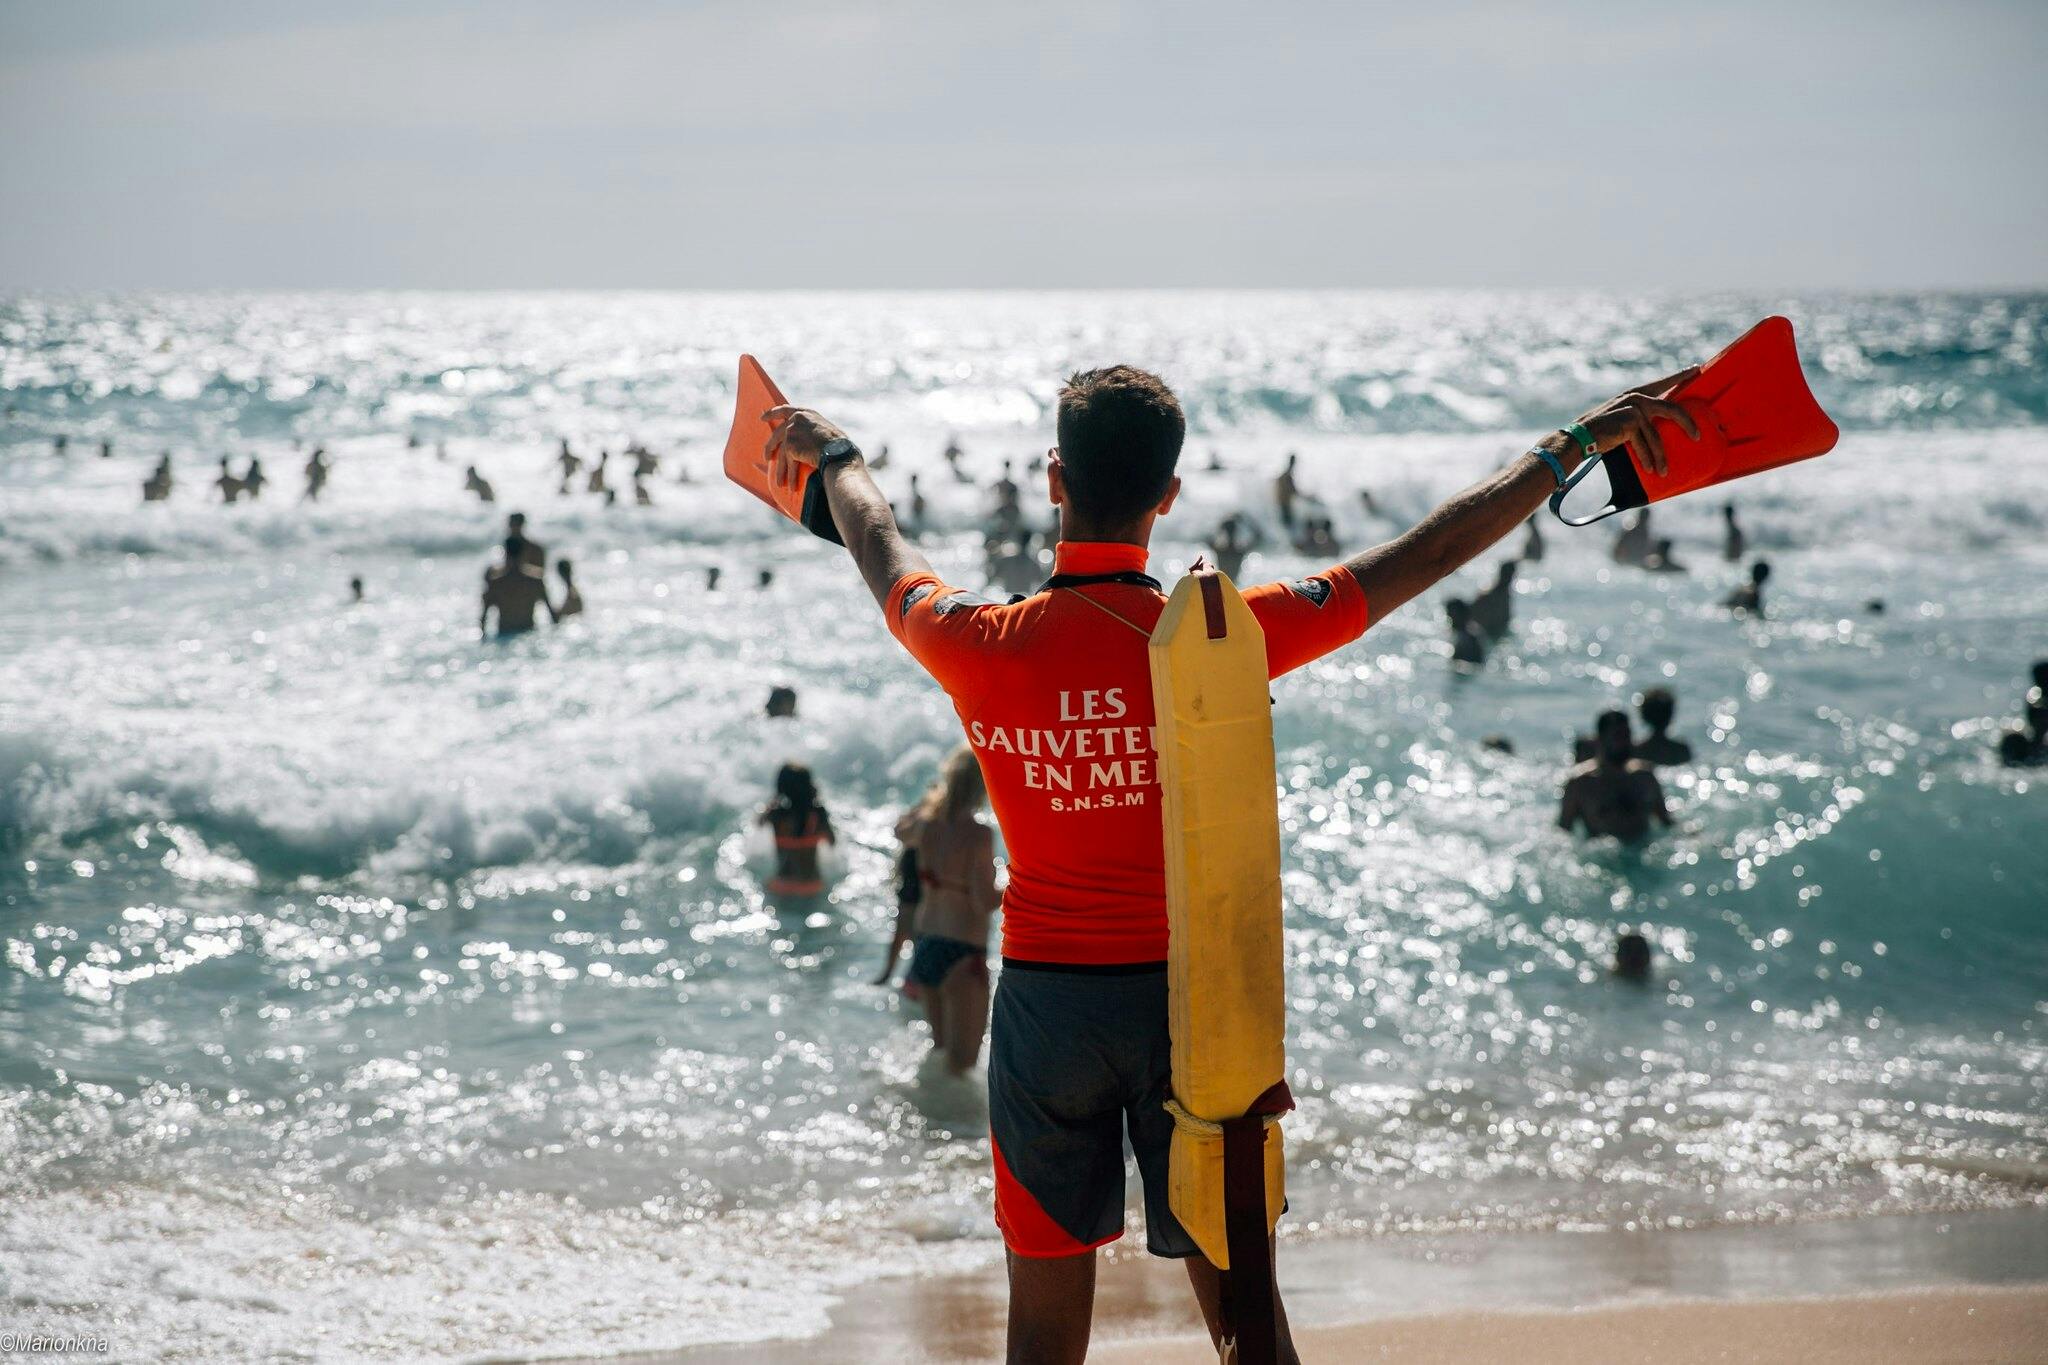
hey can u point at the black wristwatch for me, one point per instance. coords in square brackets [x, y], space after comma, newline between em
[836, 450]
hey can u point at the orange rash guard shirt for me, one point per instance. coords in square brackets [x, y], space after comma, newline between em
[1055, 693]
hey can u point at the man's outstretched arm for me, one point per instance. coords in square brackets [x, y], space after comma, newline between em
[1444, 541]
[879, 548]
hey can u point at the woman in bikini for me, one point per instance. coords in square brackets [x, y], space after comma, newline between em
[800, 826]
[951, 855]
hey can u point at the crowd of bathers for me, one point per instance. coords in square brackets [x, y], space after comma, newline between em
[230, 487]
[946, 883]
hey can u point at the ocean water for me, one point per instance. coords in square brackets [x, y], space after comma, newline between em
[373, 992]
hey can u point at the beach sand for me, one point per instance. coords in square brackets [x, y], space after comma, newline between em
[1932, 1287]
[1934, 1325]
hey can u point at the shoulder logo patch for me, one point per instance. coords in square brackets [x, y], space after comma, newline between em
[1316, 590]
[961, 601]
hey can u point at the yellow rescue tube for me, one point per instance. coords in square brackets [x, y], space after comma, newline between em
[1226, 998]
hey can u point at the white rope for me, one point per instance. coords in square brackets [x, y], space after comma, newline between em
[1188, 1123]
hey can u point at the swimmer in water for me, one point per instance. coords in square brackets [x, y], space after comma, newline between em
[782, 702]
[1235, 537]
[230, 487]
[536, 553]
[1468, 642]
[355, 590]
[1286, 491]
[1532, 548]
[2027, 747]
[1750, 596]
[316, 474]
[919, 508]
[1009, 509]
[953, 853]
[253, 481]
[1734, 544]
[1658, 748]
[642, 495]
[1661, 559]
[597, 483]
[514, 589]
[572, 596]
[1318, 537]
[1011, 565]
[767, 579]
[569, 463]
[1632, 546]
[1632, 957]
[1493, 608]
[801, 826]
[477, 484]
[711, 576]
[157, 487]
[1612, 793]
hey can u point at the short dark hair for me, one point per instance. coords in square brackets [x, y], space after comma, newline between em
[1610, 720]
[1657, 707]
[1120, 433]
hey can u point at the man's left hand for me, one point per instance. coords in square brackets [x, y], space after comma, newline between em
[796, 436]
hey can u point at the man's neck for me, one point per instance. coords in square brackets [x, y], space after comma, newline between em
[1139, 535]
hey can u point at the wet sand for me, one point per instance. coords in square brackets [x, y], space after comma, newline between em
[1936, 1325]
[1916, 1288]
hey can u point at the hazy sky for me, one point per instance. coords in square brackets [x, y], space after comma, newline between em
[794, 143]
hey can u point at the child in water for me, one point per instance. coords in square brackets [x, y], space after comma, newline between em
[948, 894]
[800, 825]
[572, 598]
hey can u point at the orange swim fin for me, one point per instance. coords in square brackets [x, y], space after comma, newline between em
[801, 495]
[1754, 413]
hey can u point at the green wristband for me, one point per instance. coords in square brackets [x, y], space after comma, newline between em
[1577, 431]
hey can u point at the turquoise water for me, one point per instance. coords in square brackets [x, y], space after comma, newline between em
[369, 991]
